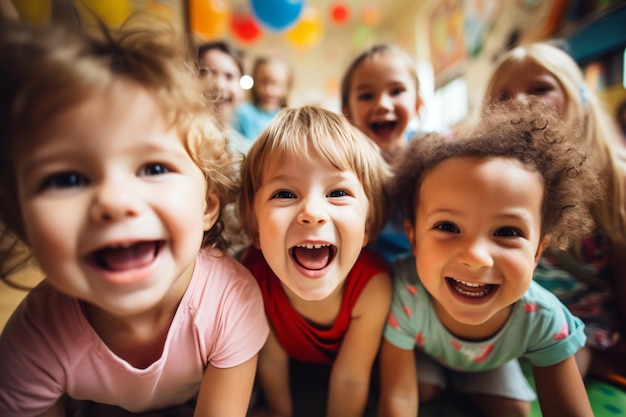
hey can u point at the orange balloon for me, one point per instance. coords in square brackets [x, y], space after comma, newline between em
[209, 18]
[308, 31]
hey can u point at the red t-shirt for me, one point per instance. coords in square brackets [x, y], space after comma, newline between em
[302, 339]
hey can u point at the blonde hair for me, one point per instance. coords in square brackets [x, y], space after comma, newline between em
[311, 132]
[46, 71]
[599, 128]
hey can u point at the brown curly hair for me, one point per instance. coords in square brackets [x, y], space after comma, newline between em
[531, 134]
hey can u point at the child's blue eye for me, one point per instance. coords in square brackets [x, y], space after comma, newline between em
[447, 227]
[508, 232]
[154, 169]
[65, 180]
[338, 193]
[283, 194]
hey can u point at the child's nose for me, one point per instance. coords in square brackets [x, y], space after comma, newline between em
[384, 102]
[476, 254]
[113, 201]
[312, 213]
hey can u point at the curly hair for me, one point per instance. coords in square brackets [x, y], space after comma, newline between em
[47, 70]
[532, 135]
[311, 132]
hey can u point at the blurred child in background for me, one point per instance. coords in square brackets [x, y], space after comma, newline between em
[380, 96]
[221, 67]
[270, 91]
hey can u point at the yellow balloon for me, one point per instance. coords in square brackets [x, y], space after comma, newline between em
[35, 11]
[209, 18]
[308, 31]
[112, 12]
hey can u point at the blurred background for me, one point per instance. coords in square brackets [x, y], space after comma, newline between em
[454, 42]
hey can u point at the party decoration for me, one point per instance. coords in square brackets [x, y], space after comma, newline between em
[339, 13]
[112, 12]
[209, 18]
[35, 11]
[308, 31]
[245, 29]
[277, 15]
[363, 37]
[370, 16]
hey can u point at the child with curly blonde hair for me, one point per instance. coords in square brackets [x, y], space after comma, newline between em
[114, 175]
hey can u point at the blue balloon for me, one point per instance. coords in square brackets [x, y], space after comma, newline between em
[277, 15]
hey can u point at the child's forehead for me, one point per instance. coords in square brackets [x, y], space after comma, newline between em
[478, 170]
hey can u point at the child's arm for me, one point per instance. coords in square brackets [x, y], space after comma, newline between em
[350, 375]
[226, 392]
[561, 390]
[274, 377]
[398, 394]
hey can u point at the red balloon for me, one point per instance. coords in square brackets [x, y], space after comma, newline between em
[245, 28]
[339, 13]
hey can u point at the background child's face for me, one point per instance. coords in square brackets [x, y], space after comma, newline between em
[311, 220]
[222, 81]
[114, 207]
[271, 82]
[382, 100]
[477, 230]
[525, 79]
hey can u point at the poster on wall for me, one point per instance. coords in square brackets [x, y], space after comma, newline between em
[447, 39]
[458, 29]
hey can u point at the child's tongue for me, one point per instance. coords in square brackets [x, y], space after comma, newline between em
[314, 259]
[121, 259]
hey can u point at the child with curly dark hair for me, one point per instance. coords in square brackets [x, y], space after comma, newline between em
[478, 212]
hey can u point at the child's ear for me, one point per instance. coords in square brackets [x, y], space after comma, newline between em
[418, 105]
[542, 246]
[409, 230]
[211, 212]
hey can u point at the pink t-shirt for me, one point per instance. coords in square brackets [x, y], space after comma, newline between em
[49, 348]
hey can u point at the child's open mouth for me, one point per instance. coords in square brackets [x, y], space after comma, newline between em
[313, 257]
[126, 257]
[469, 289]
[383, 128]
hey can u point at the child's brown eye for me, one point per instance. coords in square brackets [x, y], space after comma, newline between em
[283, 194]
[447, 227]
[508, 232]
